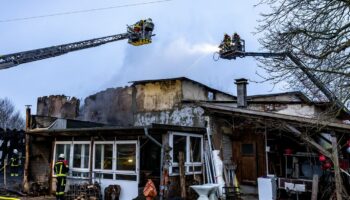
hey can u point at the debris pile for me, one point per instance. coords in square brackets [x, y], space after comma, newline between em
[84, 192]
[38, 189]
[112, 192]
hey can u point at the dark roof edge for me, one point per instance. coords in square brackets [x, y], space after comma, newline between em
[111, 128]
[225, 109]
[298, 93]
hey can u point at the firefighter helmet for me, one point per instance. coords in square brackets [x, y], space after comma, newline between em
[61, 156]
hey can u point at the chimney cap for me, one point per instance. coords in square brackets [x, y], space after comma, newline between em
[241, 80]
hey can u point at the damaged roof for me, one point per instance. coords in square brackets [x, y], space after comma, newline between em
[180, 79]
[115, 130]
[229, 110]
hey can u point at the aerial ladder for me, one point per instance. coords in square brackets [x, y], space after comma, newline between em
[235, 48]
[137, 34]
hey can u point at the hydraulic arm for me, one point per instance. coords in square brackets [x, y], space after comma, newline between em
[233, 51]
[137, 34]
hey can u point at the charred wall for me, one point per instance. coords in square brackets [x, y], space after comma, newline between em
[59, 106]
[158, 96]
[112, 106]
[40, 159]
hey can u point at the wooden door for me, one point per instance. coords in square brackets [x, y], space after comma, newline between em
[248, 164]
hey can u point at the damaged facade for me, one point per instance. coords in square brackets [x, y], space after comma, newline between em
[121, 136]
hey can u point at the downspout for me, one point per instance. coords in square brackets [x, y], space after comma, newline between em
[161, 161]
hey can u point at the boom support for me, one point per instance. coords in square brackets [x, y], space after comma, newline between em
[14, 59]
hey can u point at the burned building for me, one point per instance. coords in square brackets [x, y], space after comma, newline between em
[127, 135]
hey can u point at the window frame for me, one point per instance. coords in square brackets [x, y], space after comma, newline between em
[131, 172]
[114, 170]
[76, 169]
[71, 159]
[103, 171]
[92, 155]
[188, 163]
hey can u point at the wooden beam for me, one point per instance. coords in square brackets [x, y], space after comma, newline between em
[314, 187]
[26, 165]
[182, 174]
[309, 140]
[338, 180]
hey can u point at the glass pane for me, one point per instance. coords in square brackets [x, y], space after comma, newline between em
[125, 177]
[64, 149]
[247, 149]
[194, 168]
[103, 156]
[176, 170]
[179, 144]
[98, 156]
[195, 149]
[126, 157]
[103, 176]
[77, 155]
[86, 156]
[81, 156]
[80, 174]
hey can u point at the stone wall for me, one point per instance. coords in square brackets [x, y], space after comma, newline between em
[59, 106]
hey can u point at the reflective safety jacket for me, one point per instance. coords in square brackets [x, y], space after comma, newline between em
[61, 168]
[14, 162]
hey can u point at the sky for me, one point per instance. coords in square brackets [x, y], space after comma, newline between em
[187, 34]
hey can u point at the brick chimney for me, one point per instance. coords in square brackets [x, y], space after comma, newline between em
[241, 92]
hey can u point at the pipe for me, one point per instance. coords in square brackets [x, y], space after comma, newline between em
[161, 161]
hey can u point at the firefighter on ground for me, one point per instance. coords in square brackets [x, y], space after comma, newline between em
[236, 41]
[14, 163]
[61, 170]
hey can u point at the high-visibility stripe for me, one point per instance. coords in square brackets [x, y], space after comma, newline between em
[59, 171]
[59, 193]
[8, 198]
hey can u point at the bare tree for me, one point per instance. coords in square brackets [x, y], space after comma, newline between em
[318, 33]
[9, 117]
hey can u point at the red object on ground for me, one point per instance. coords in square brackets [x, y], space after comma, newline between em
[288, 151]
[322, 158]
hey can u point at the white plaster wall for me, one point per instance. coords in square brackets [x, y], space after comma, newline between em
[191, 91]
[184, 116]
[299, 110]
[223, 97]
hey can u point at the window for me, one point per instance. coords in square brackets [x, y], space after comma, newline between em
[126, 157]
[103, 156]
[115, 160]
[179, 145]
[62, 148]
[103, 160]
[81, 159]
[81, 156]
[192, 146]
[211, 96]
[77, 155]
[247, 149]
